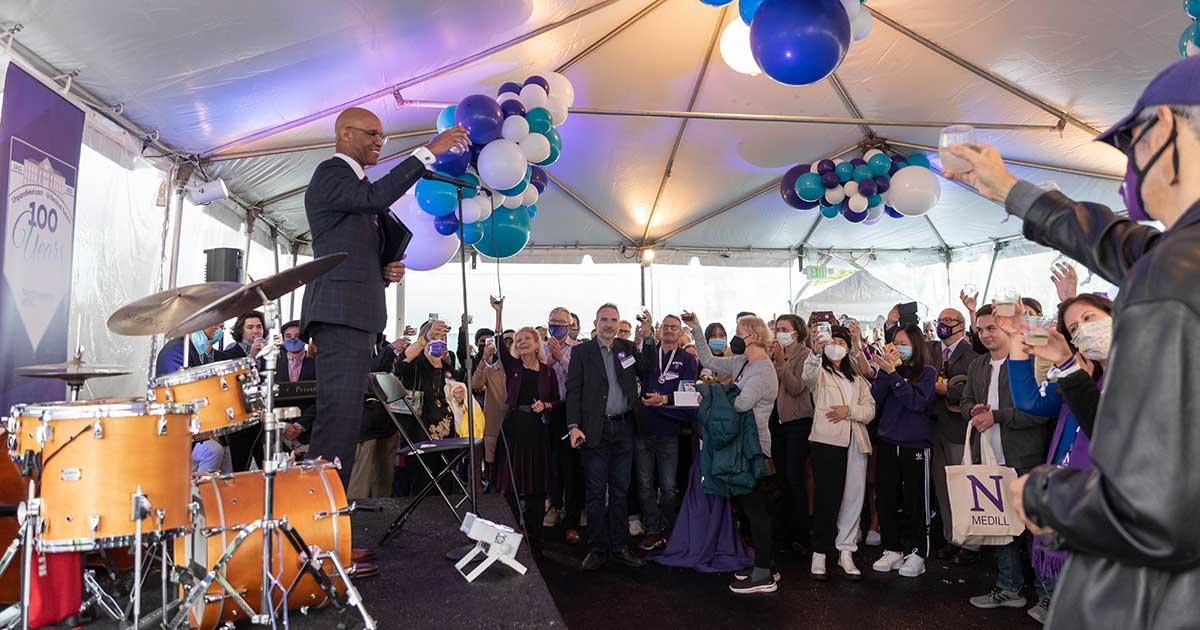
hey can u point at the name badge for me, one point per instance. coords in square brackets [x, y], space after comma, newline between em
[667, 376]
[628, 362]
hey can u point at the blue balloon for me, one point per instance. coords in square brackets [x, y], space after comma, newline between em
[892, 212]
[896, 166]
[436, 198]
[867, 187]
[510, 86]
[845, 172]
[862, 173]
[880, 164]
[787, 185]
[539, 80]
[799, 42]
[446, 225]
[538, 178]
[808, 205]
[857, 162]
[854, 217]
[809, 187]
[830, 180]
[472, 233]
[747, 9]
[715, 3]
[830, 212]
[918, 159]
[532, 211]
[505, 233]
[452, 164]
[445, 119]
[882, 184]
[512, 107]
[481, 116]
[826, 166]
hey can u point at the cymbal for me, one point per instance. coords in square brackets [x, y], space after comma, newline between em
[73, 371]
[163, 311]
[252, 296]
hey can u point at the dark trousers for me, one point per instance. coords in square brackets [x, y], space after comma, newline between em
[756, 506]
[246, 446]
[657, 465]
[829, 482]
[343, 363]
[607, 469]
[790, 448]
[566, 485]
[902, 481]
[533, 508]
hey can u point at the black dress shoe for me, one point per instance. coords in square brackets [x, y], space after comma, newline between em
[628, 559]
[947, 553]
[593, 561]
[966, 557]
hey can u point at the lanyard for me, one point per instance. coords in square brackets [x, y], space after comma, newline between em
[670, 362]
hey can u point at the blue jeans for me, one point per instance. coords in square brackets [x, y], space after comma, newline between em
[657, 492]
[607, 468]
[1009, 562]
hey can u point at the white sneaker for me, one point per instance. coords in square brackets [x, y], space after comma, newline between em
[846, 563]
[552, 516]
[913, 566]
[873, 539]
[818, 566]
[635, 527]
[890, 561]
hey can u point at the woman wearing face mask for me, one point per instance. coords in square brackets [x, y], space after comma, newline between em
[424, 369]
[718, 345]
[794, 405]
[842, 407]
[904, 391]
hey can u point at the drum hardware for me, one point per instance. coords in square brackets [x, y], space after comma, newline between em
[99, 597]
[75, 372]
[28, 518]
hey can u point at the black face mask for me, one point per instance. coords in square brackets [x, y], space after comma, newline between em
[737, 345]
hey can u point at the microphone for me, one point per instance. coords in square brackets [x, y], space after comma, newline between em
[437, 177]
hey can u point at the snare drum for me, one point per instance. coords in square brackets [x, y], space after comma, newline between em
[95, 456]
[225, 394]
[309, 494]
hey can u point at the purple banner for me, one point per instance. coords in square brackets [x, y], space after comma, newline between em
[40, 138]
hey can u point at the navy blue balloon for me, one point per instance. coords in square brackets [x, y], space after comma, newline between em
[854, 217]
[446, 225]
[452, 164]
[787, 186]
[831, 180]
[882, 184]
[747, 9]
[858, 162]
[826, 166]
[480, 115]
[538, 178]
[799, 42]
[539, 80]
[896, 166]
[808, 205]
[510, 86]
[715, 3]
[512, 107]
[476, 149]
[891, 212]
[867, 187]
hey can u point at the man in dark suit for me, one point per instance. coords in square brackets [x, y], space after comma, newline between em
[951, 353]
[602, 400]
[345, 309]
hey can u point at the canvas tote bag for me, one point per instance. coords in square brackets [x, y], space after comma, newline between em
[983, 514]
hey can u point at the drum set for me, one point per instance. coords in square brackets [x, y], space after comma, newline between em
[112, 473]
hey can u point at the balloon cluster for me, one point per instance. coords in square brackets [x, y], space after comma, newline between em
[796, 42]
[1189, 41]
[512, 137]
[863, 189]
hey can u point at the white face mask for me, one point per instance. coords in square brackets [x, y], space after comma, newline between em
[785, 339]
[835, 352]
[1094, 339]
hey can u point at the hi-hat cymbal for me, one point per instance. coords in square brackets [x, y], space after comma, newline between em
[252, 296]
[164, 311]
[73, 371]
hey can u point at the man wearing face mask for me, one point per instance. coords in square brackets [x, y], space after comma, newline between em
[573, 331]
[566, 487]
[202, 348]
[1129, 520]
[293, 365]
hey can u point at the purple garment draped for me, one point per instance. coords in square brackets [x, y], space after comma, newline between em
[704, 537]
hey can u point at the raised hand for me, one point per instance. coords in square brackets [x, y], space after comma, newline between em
[988, 175]
[453, 139]
[1065, 279]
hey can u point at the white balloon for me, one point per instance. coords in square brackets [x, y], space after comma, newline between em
[428, 249]
[835, 195]
[515, 128]
[858, 203]
[502, 164]
[874, 212]
[487, 209]
[870, 154]
[512, 203]
[558, 111]
[536, 148]
[853, 8]
[861, 25]
[507, 96]
[735, 49]
[914, 191]
[851, 188]
[838, 161]
[533, 95]
[530, 197]
[472, 209]
[813, 168]
[561, 88]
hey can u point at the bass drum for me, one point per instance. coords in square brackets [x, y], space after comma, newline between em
[309, 494]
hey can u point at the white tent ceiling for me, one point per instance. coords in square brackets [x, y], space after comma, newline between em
[224, 78]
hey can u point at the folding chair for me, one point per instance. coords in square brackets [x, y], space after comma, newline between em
[392, 393]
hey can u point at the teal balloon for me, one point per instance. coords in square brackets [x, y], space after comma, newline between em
[555, 151]
[830, 212]
[845, 172]
[472, 233]
[880, 164]
[918, 159]
[1192, 8]
[505, 233]
[1189, 35]
[539, 120]
[809, 187]
[555, 139]
[862, 173]
[874, 200]
[445, 119]
[520, 187]
[436, 198]
[532, 211]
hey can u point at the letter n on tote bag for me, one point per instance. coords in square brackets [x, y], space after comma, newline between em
[979, 499]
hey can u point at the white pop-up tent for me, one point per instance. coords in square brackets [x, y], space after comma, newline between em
[666, 147]
[861, 296]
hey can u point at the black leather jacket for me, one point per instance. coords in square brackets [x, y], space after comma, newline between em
[1130, 521]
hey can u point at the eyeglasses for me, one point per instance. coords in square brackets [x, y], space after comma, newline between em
[670, 326]
[374, 133]
[950, 322]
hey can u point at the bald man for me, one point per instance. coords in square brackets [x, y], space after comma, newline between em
[345, 309]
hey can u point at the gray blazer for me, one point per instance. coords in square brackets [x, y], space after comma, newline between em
[343, 214]
[1025, 437]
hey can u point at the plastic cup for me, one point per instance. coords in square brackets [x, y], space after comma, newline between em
[952, 135]
[1006, 302]
[1038, 332]
[970, 290]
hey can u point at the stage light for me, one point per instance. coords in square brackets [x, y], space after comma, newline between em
[496, 542]
[735, 48]
[205, 193]
[647, 256]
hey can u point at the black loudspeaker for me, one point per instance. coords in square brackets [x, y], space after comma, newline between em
[223, 264]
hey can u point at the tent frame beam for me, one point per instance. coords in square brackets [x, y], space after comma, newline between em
[288, 194]
[1018, 162]
[300, 148]
[587, 206]
[848, 101]
[634, 19]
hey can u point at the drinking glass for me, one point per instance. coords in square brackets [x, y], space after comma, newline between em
[955, 134]
[1038, 333]
[1006, 302]
[970, 290]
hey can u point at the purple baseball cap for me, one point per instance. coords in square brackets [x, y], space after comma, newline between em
[1179, 84]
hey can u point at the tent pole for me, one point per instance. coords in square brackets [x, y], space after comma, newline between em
[988, 285]
[292, 295]
[642, 267]
[275, 250]
[178, 178]
[579, 200]
[249, 241]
